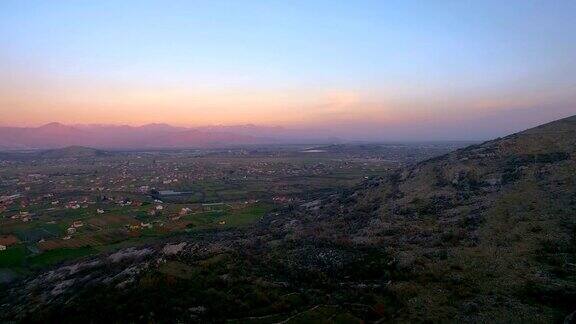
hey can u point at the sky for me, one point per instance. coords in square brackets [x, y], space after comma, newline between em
[362, 69]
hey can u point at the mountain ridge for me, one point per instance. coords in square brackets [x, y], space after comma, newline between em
[56, 135]
[156, 135]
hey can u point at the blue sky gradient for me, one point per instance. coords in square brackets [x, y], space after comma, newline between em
[411, 61]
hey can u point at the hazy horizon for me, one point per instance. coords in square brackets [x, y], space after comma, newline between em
[425, 132]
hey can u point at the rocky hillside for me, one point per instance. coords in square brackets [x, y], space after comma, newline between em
[484, 234]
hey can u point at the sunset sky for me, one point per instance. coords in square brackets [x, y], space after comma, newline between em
[365, 69]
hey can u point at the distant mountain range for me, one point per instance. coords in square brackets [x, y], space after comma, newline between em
[57, 135]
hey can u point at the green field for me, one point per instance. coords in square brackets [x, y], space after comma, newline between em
[18, 257]
[244, 216]
[13, 257]
[232, 218]
[52, 257]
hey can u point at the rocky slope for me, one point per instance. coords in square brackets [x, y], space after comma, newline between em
[483, 234]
